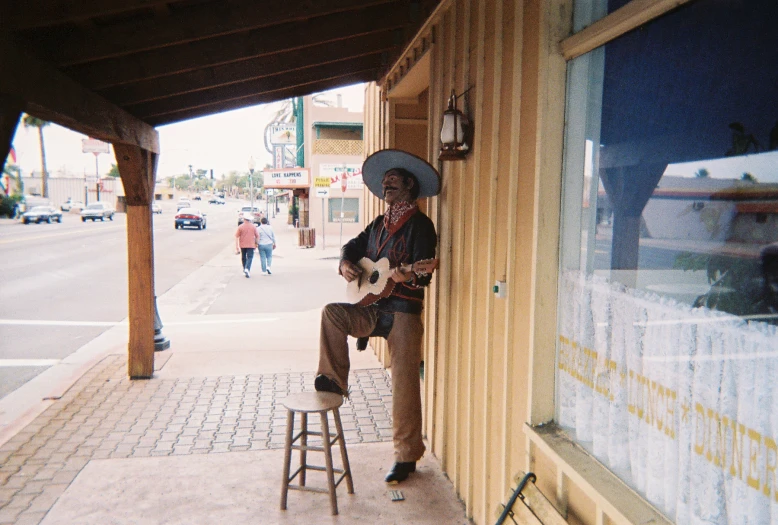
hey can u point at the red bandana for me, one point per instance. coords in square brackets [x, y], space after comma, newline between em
[397, 214]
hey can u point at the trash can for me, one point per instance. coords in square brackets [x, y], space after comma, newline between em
[306, 237]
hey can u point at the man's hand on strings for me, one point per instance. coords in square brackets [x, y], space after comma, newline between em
[349, 270]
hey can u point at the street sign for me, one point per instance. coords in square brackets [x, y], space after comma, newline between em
[95, 146]
[322, 192]
[321, 182]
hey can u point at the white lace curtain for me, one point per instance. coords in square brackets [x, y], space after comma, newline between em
[677, 401]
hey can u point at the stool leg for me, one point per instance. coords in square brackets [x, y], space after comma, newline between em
[343, 453]
[304, 443]
[287, 457]
[325, 434]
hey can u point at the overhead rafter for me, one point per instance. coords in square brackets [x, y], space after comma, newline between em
[231, 48]
[281, 94]
[51, 95]
[201, 23]
[31, 14]
[253, 87]
[251, 69]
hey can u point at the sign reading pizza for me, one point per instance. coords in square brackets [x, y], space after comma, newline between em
[287, 178]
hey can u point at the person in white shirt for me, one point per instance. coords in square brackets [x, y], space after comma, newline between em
[266, 245]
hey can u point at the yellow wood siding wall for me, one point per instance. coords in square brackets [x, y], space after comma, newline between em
[495, 221]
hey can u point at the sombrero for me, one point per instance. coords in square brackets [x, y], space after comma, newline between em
[377, 164]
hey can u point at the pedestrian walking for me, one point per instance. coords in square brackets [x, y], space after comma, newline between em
[246, 238]
[266, 245]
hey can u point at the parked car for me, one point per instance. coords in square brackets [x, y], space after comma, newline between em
[40, 214]
[156, 208]
[70, 204]
[216, 200]
[97, 210]
[183, 203]
[198, 197]
[190, 217]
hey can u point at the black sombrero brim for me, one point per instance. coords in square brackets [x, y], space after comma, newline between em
[377, 164]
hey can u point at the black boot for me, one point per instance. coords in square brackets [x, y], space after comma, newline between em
[400, 472]
[323, 383]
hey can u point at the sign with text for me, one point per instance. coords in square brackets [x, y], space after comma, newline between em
[283, 133]
[322, 192]
[337, 172]
[95, 146]
[321, 182]
[287, 178]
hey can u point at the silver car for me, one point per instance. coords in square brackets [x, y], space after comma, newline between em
[97, 210]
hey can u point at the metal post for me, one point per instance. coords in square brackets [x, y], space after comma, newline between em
[160, 341]
[97, 177]
[251, 189]
[323, 239]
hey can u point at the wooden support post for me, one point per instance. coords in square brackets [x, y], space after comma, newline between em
[137, 168]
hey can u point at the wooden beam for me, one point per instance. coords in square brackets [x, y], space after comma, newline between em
[50, 95]
[31, 14]
[199, 23]
[10, 112]
[233, 48]
[256, 87]
[137, 169]
[255, 68]
[298, 91]
[623, 20]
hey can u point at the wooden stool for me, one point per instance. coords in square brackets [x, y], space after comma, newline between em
[306, 403]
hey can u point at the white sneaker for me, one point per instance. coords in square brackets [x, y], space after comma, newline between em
[268, 271]
[246, 273]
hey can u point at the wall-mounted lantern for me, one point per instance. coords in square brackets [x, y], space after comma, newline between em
[455, 132]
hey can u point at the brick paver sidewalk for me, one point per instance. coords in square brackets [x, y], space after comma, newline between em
[105, 415]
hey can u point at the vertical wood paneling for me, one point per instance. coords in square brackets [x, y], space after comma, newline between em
[476, 77]
[461, 40]
[492, 355]
[511, 384]
[496, 219]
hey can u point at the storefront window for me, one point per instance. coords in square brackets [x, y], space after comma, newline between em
[344, 210]
[668, 319]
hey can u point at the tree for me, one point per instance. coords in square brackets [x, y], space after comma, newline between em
[748, 177]
[114, 171]
[702, 173]
[15, 174]
[34, 122]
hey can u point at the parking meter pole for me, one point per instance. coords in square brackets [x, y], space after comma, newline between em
[323, 239]
[160, 341]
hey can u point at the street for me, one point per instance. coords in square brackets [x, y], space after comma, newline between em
[65, 284]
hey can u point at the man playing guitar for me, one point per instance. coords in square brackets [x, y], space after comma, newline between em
[403, 235]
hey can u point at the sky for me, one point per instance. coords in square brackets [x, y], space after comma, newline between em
[222, 142]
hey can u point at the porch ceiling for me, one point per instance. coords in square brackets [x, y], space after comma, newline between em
[164, 61]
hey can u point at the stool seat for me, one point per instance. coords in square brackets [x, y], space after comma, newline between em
[313, 402]
[322, 403]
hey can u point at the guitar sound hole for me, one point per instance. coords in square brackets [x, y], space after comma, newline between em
[374, 277]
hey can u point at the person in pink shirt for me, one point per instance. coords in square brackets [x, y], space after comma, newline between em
[246, 238]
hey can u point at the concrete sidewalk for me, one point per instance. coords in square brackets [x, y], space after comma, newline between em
[201, 442]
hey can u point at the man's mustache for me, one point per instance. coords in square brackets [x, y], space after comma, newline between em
[387, 188]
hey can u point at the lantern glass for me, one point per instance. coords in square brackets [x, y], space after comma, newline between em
[452, 128]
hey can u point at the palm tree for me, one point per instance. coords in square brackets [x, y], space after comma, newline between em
[34, 122]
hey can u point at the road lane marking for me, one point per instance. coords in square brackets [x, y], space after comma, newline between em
[59, 234]
[35, 322]
[28, 362]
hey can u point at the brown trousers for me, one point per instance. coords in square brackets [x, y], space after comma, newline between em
[340, 320]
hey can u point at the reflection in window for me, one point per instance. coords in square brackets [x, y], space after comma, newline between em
[669, 260]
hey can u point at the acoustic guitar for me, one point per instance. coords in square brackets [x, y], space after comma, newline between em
[374, 281]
